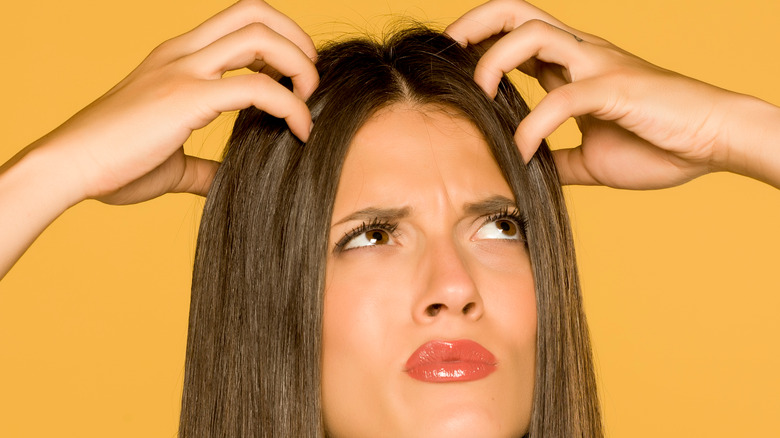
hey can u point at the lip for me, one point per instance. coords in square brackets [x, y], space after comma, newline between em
[450, 361]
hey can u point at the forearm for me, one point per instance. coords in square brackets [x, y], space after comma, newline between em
[36, 187]
[751, 140]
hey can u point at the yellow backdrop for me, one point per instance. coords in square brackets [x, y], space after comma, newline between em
[681, 285]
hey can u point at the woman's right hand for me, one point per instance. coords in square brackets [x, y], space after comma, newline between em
[126, 147]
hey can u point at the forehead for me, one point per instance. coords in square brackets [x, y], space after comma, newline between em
[417, 156]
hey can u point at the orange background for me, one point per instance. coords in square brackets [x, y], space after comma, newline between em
[681, 285]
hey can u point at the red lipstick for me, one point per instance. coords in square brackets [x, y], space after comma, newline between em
[450, 361]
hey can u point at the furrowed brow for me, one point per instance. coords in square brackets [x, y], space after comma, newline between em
[375, 213]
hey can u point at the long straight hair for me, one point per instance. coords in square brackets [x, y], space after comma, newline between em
[254, 342]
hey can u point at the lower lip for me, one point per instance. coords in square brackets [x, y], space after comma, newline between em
[444, 372]
[430, 362]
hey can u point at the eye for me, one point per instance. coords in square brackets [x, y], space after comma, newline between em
[504, 227]
[373, 237]
[374, 233]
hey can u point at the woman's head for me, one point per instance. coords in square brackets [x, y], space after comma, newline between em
[403, 133]
[426, 253]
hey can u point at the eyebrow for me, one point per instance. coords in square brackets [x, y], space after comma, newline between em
[381, 214]
[480, 208]
[489, 205]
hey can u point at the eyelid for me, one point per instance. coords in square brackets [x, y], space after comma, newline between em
[374, 224]
[513, 214]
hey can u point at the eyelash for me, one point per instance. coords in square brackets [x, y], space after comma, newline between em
[374, 224]
[505, 213]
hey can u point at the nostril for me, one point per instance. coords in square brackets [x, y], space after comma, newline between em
[467, 308]
[434, 309]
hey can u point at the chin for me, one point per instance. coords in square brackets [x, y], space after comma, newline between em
[453, 422]
[467, 423]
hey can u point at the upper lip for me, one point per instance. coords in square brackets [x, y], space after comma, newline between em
[441, 351]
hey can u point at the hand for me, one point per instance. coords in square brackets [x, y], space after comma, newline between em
[642, 126]
[126, 147]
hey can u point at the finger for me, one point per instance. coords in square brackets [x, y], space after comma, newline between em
[236, 17]
[238, 92]
[197, 177]
[570, 100]
[571, 167]
[496, 17]
[261, 67]
[534, 39]
[250, 44]
[550, 76]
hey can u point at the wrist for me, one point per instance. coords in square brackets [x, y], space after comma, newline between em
[749, 142]
[34, 190]
[47, 174]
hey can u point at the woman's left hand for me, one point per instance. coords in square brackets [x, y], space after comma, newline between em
[642, 126]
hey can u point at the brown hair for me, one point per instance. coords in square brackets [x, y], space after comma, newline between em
[253, 350]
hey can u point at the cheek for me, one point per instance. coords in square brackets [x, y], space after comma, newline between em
[360, 295]
[516, 319]
[506, 282]
[507, 286]
[362, 309]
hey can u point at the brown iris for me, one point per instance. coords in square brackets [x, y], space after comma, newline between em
[508, 228]
[377, 237]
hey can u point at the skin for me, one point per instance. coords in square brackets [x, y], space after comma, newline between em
[441, 256]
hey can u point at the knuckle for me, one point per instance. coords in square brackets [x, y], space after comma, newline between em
[260, 81]
[296, 110]
[254, 8]
[163, 46]
[256, 30]
[165, 50]
[487, 68]
[509, 3]
[538, 26]
[267, 89]
[562, 97]
[253, 4]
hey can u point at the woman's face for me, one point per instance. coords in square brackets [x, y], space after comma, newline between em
[430, 314]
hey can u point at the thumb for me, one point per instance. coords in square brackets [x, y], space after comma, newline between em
[197, 177]
[571, 167]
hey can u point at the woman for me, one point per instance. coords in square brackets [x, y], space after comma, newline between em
[422, 293]
[576, 34]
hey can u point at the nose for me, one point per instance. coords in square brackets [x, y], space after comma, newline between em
[448, 288]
